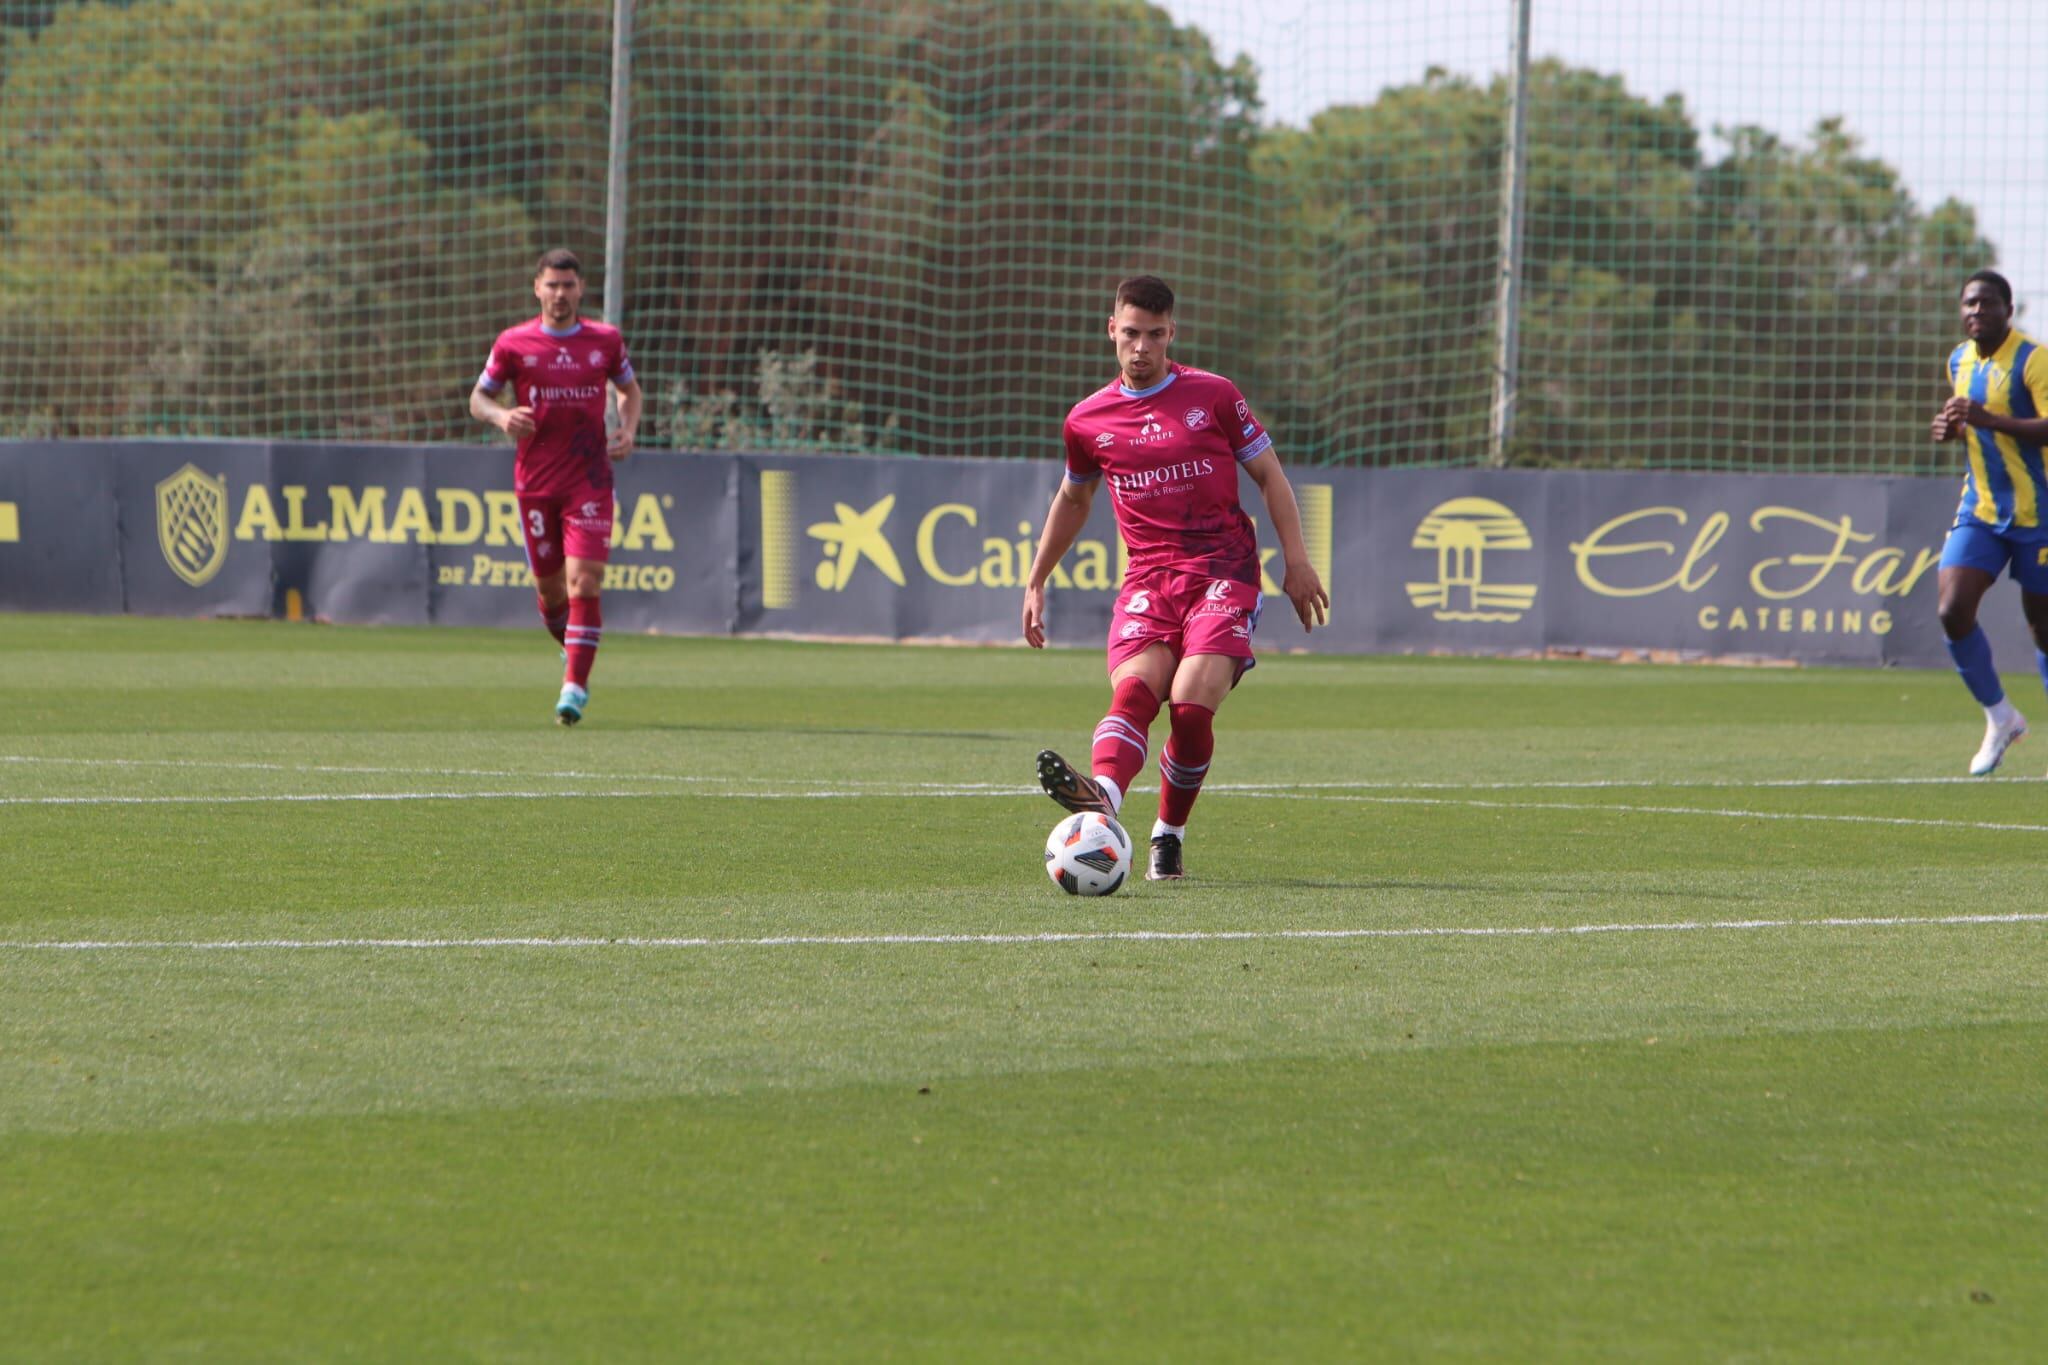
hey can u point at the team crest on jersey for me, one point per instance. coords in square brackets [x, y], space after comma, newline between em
[1244, 412]
[1194, 419]
[1105, 440]
[192, 523]
[564, 361]
[1218, 590]
[529, 361]
[597, 357]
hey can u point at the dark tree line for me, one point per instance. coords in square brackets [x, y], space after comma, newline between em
[895, 228]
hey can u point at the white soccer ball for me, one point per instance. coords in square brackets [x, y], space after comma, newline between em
[1088, 855]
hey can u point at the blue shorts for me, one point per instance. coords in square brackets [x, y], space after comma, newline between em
[1972, 546]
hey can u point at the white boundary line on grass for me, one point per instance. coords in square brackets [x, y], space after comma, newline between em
[908, 792]
[1077, 936]
[571, 775]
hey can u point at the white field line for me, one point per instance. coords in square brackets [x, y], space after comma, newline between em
[572, 775]
[830, 794]
[1714, 812]
[1105, 936]
[315, 798]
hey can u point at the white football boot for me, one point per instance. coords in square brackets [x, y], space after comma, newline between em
[1998, 737]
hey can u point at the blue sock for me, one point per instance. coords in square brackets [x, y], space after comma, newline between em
[2041, 662]
[1972, 654]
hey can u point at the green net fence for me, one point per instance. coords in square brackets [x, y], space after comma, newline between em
[894, 228]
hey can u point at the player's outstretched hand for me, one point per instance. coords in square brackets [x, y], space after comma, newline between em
[1941, 428]
[1034, 617]
[518, 423]
[1304, 587]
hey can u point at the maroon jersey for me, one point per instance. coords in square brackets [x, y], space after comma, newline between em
[1171, 454]
[561, 376]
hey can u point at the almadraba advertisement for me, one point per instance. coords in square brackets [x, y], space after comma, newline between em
[1822, 570]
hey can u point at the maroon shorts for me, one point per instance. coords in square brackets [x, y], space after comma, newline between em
[565, 525]
[1188, 613]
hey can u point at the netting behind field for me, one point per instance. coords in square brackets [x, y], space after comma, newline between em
[894, 228]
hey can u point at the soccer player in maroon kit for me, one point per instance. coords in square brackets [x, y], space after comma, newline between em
[558, 366]
[1169, 440]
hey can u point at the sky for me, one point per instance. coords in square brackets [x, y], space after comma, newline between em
[1903, 74]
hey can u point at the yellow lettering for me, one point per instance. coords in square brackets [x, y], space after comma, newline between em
[1879, 571]
[1738, 619]
[450, 574]
[462, 516]
[1880, 622]
[1710, 618]
[1843, 532]
[479, 568]
[502, 510]
[927, 543]
[295, 527]
[649, 530]
[1686, 579]
[1785, 619]
[1852, 623]
[1091, 566]
[410, 521]
[996, 563]
[259, 517]
[1266, 583]
[1809, 620]
[359, 518]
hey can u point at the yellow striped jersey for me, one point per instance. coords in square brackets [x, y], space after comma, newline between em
[2006, 487]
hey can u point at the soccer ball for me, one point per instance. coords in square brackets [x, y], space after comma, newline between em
[1088, 855]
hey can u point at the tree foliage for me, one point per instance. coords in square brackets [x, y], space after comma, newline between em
[897, 227]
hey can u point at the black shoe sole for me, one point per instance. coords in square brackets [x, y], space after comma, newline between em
[1068, 788]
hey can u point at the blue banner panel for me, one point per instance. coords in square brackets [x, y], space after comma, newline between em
[674, 547]
[348, 528]
[60, 528]
[1768, 567]
[185, 547]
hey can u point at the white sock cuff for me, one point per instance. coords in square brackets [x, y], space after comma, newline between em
[1111, 790]
[1160, 827]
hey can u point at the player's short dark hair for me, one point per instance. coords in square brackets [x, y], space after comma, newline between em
[1995, 280]
[561, 258]
[1148, 292]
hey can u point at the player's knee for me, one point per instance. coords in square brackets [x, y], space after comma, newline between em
[1135, 697]
[1958, 616]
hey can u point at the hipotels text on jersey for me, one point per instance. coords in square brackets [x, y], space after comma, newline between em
[573, 393]
[1160, 474]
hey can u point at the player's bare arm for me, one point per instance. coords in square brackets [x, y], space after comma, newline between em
[517, 422]
[620, 444]
[1063, 523]
[1302, 584]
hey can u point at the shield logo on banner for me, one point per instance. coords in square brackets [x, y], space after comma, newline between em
[192, 523]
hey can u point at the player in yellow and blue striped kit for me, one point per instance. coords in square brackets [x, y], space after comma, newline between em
[2000, 391]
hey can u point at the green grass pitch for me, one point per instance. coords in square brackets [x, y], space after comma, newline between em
[742, 1023]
